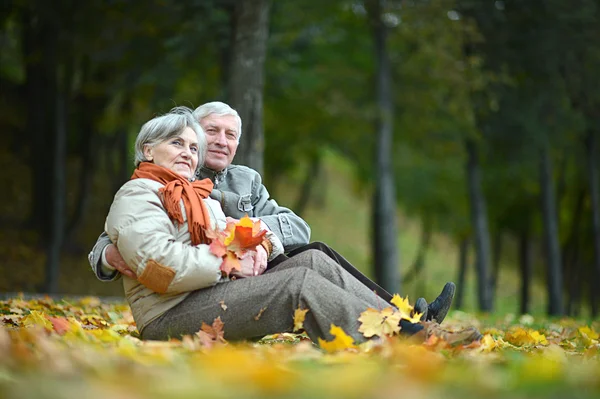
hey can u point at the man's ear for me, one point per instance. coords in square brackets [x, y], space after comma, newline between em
[148, 152]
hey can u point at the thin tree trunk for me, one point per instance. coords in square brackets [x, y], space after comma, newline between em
[463, 253]
[419, 261]
[595, 203]
[570, 254]
[246, 83]
[312, 175]
[58, 186]
[480, 227]
[552, 246]
[39, 47]
[385, 232]
[526, 266]
[497, 257]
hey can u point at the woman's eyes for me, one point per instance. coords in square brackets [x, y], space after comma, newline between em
[194, 149]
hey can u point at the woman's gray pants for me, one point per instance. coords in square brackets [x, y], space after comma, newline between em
[265, 304]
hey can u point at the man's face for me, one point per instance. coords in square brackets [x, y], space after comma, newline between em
[222, 139]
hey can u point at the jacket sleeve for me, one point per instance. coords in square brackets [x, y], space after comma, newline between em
[290, 228]
[147, 239]
[95, 259]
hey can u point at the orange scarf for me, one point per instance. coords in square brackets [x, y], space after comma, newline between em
[176, 188]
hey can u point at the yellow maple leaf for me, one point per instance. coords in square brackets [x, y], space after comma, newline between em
[340, 342]
[380, 323]
[587, 333]
[36, 318]
[520, 337]
[488, 343]
[405, 309]
[299, 316]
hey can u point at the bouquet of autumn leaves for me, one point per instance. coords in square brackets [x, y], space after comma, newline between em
[236, 244]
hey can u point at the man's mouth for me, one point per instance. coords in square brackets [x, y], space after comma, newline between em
[218, 152]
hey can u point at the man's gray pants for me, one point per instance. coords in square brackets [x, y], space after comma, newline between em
[265, 304]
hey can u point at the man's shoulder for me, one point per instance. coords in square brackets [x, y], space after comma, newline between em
[241, 170]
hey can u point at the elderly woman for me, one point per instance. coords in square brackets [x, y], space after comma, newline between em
[158, 221]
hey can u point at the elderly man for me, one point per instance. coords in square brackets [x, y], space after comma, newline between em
[240, 191]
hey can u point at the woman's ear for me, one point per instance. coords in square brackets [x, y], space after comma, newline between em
[148, 152]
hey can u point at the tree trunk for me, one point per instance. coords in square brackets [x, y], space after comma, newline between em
[497, 257]
[419, 262]
[58, 185]
[246, 83]
[480, 227]
[552, 246]
[526, 266]
[570, 258]
[313, 171]
[595, 203]
[463, 253]
[385, 233]
[39, 48]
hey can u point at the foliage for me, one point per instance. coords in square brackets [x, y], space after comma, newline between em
[56, 349]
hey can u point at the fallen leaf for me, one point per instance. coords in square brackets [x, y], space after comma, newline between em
[299, 316]
[379, 323]
[340, 342]
[257, 317]
[223, 306]
[36, 318]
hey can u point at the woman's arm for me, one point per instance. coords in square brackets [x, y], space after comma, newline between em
[147, 239]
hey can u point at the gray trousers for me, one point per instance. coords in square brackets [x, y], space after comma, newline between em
[265, 304]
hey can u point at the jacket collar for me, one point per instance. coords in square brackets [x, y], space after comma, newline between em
[215, 177]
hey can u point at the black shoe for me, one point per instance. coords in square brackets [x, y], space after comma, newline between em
[438, 309]
[421, 307]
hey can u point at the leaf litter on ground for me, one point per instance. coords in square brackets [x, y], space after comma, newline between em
[54, 349]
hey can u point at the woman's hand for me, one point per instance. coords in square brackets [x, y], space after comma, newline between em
[253, 263]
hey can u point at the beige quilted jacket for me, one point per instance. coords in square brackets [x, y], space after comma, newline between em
[159, 250]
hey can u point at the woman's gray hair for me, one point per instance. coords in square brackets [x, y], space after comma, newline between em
[165, 127]
[218, 108]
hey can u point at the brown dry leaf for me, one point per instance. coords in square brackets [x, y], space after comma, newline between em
[211, 334]
[257, 317]
[299, 316]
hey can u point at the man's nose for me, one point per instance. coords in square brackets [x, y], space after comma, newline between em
[221, 139]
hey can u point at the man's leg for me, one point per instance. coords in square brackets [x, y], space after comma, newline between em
[437, 310]
[340, 260]
[265, 304]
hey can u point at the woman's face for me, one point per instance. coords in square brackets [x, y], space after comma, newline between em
[180, 154]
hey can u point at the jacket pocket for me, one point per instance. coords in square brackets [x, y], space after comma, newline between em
[245, 203]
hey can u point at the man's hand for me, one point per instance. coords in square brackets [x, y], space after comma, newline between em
[114, 258]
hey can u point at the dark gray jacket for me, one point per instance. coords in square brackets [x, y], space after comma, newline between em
[240, 191]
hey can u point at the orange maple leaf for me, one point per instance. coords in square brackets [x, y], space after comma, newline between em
[230, 263]
[246, 235]
[236, 243]
[211, 334]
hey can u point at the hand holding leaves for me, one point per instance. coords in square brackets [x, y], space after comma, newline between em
[237, 245]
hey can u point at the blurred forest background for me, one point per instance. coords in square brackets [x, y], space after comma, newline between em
[426, 140]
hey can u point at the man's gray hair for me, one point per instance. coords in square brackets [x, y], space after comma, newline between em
[218, 108]
[167, 126]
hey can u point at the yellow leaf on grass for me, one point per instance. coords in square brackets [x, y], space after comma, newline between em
[340, 342]
[36, 318]
[587, 332]
[379, 322]
[299, 316]
[520, 337]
